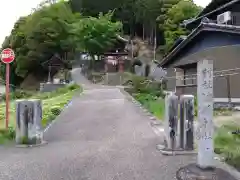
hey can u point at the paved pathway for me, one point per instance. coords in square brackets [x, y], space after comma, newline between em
[101, 136]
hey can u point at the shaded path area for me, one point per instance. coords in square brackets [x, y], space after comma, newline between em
[100, 136]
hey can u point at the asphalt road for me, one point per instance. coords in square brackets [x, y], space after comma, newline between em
[100, 136]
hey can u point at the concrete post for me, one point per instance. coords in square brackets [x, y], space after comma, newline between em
[28, 122]
[171, 112]
[186, 126]
[205, 113]
[204, 168]
[37, 120]
[24, 117]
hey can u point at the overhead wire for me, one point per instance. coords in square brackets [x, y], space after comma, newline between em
[220, 75]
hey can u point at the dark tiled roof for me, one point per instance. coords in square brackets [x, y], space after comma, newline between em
[176, 43]
[194, 33]
[213, 7]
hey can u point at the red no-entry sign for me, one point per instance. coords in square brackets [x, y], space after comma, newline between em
[7, 56]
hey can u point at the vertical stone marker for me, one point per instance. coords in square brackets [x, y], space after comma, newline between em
[205, 113]
[205, 168]
[186, 127]
[28, 122]
[37, 120]
[171, 124]
[24, 119]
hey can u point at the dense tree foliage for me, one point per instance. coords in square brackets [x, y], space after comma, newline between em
[175, 16]
[145, 18]
[90, 25]
[95, 35]
[53, 30]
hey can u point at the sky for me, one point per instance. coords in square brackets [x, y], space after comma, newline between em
[11, 10]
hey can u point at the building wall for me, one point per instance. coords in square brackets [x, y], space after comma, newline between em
[171, 81]
[224, 58]
[206, 40]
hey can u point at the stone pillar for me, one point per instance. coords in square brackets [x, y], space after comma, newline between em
[24, 118]
[171, 113]
[28, 122]
[37, 119]
[204, 168]
[205, 113]
[186, 126]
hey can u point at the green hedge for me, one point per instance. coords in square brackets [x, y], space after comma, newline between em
[146, 86]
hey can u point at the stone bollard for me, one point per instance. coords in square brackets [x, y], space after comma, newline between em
[28, 122]
[186, 124]
[23, 119]
[171, 118]
[37, 119]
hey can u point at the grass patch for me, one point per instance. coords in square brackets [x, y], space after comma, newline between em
[147, 92]
[52, 104]
[154, 104]
[227, 144]
[223, 112]
[7, 135]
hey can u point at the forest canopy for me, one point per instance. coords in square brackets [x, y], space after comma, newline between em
[91, 26]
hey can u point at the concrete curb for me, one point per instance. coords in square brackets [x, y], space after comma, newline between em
[31, 145]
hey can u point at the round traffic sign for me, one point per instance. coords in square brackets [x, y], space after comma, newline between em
[7, 55]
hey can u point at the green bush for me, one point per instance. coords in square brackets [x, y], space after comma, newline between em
[55, 110]
[7, 134]
[51, 117]
[146, 86]
[152, 103]
[20, 94]
[143, 98]
[73, 87]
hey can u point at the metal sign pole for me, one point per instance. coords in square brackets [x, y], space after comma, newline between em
[7, 93]
[7, 56]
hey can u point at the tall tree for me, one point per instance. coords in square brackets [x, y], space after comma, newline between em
[147, 12]
[183, 10]
[166, 5]
[35, 38]
[95, 35]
